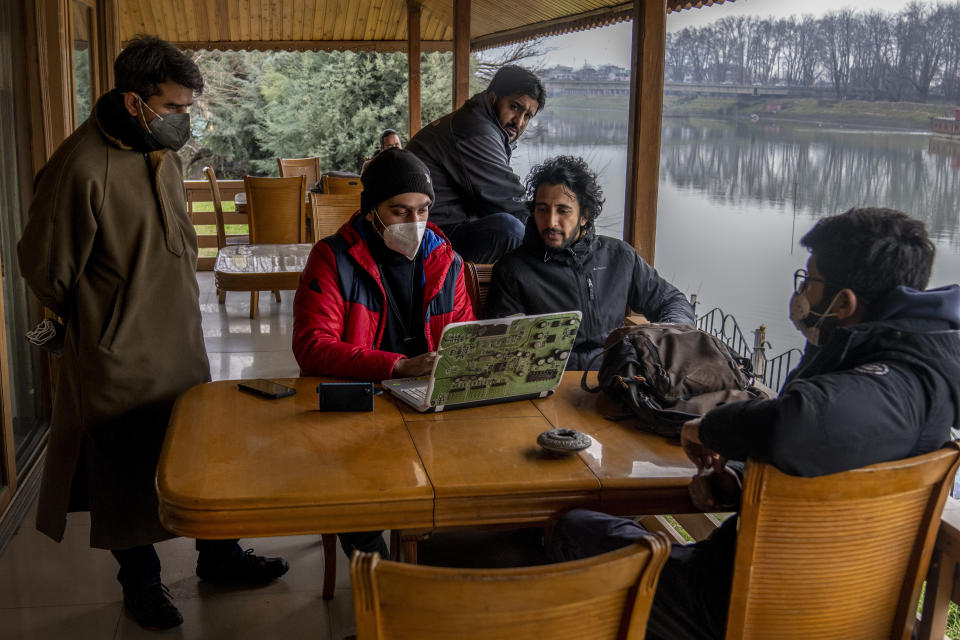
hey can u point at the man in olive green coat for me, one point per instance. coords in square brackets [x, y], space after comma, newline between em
[110, 248]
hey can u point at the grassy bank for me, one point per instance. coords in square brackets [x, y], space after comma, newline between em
[849, 113]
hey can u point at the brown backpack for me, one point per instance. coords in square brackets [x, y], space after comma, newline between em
[667, 374]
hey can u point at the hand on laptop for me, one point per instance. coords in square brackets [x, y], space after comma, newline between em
[414, 367]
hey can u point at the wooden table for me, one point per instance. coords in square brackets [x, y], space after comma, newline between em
[237, 465]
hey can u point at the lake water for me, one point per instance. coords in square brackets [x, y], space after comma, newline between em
[736, 197]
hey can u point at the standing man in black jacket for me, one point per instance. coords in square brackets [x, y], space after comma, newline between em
[564, 265]
[879, 381]
[479, 199]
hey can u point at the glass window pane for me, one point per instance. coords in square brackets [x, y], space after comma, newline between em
[27, 370]
[82, 17]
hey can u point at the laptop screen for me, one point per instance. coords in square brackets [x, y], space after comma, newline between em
[502, 357]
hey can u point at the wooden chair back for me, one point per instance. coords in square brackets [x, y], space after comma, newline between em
[309, 168]
[275, 209]
[217, 206]
[604, 597]
[839, 556]
[339, 185]
[477, 278]
[329, 212]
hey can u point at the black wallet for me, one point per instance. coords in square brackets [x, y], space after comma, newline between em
[345, 396]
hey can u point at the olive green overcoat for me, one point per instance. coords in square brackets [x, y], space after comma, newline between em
[110, 248]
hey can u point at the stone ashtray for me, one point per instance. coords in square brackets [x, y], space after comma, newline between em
[564, 441]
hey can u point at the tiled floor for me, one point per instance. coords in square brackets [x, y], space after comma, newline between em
[68, 590]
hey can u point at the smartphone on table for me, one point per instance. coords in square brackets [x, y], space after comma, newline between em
[266, 388]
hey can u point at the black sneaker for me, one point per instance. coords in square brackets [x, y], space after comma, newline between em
[151, 607]
[245, 567]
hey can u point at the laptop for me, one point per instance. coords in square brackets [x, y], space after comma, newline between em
[496, 360]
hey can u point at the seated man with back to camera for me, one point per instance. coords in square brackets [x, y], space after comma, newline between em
[374, 298]
[882, 366]
[479, 202]
[563, 264]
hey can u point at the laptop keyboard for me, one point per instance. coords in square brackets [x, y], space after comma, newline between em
[417, 393]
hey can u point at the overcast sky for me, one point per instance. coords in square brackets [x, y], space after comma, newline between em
[611, 45]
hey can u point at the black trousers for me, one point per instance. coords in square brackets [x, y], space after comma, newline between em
[140, 566]
[693, 592]
[485, 239]
[370, 541]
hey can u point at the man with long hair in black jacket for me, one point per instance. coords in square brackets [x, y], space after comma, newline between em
[879, 381]
[564, 265]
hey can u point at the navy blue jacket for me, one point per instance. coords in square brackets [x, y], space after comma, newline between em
[881, 390]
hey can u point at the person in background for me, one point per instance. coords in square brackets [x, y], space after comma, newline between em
[564, 264]
[374, 298]
[109, 247]
[882, 366]
[390, 139]
[479, 203]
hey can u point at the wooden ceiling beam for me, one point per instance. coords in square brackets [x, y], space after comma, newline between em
[577, 22]
[426, 46]
[567, 24]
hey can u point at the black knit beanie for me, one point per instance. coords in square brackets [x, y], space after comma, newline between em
[393, 171]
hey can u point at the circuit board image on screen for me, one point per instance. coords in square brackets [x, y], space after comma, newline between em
[502, 357]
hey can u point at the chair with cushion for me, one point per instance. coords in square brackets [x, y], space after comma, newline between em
[309, 168]
[336, 182]
[838, 556]
[477, 278]
[606, 596]
[275, 211]
[329, 212]
[222, 239]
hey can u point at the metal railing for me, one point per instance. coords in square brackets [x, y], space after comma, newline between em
[772, 371]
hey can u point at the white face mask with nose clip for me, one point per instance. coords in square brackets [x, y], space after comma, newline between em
[403, 237]
[807, 321]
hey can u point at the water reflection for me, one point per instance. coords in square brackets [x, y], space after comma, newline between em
[736, 197]
[816, 170]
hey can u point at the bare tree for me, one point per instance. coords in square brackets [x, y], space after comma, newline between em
[527, 54]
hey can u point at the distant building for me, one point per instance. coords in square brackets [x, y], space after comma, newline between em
[947, 126]
[588, 81]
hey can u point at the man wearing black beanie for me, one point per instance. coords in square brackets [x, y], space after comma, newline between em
[375, 296]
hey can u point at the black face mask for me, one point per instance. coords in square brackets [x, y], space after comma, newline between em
[171, 130]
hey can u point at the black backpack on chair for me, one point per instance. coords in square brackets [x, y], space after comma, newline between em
[667, 374]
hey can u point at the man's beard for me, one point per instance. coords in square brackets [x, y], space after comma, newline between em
[567, 239]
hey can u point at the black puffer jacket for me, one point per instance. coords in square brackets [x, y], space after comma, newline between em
[598, 275]
[881, 390]
[468, 155]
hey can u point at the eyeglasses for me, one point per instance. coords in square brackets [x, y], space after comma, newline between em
[800, 277]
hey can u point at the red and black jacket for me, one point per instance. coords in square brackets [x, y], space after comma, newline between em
[338, 311]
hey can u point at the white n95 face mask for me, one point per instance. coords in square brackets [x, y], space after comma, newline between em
[807, 321]
[404, 237]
